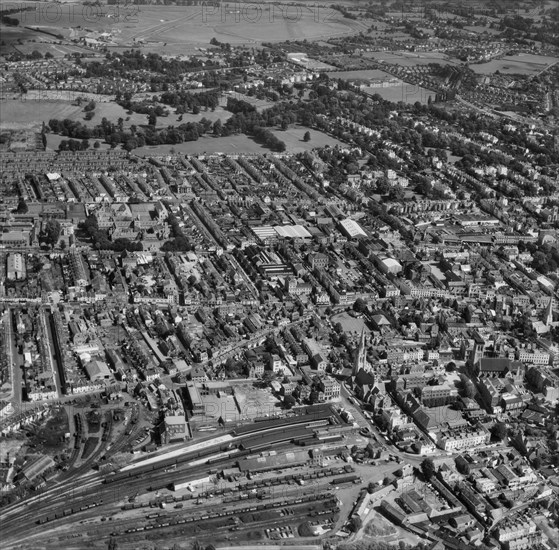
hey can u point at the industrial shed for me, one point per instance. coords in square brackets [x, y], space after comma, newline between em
[273, 460]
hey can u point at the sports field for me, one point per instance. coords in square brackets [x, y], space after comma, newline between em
[408, 93]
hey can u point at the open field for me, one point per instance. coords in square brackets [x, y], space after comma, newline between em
[51, 435]
[481, 30]
[18, 114]
[409, 59]
[524, 64]
[45, 45]
[293, 138]
[250, 24]
[371, 74]
[351, 325]
[260, 104]
[64, 18]
[229, 145]
[12, 36]
[408, 93]
[169, 29]
[21, 114]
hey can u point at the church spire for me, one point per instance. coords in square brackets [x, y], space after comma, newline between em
[548, 314]
[360, 361]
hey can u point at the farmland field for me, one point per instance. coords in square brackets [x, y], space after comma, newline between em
[525, 64]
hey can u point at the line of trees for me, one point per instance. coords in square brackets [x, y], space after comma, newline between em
[73, 145]
[114, 134]
[184, 101]
[117, 64]
[265, 136]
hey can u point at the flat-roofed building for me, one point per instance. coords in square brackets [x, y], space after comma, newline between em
[174, 428]
[196, 403]
[15, 267]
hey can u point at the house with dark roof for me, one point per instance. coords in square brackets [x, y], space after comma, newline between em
[494, 367]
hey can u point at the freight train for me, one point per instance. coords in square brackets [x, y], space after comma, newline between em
[69, 511]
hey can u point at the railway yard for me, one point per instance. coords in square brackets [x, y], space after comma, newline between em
[279, 276]
[261, 481]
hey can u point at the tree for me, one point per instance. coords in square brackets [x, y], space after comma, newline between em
[540, 262]
[218, 127]
[381, 422]
[469, 390]
[289, 401]
[305, 530]
[22, 207]
[360, 305]
[52, 231]
[428, 468]
[307, 136]
[355, 523]
[499, 430]
[396, 193]
[383, 185]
